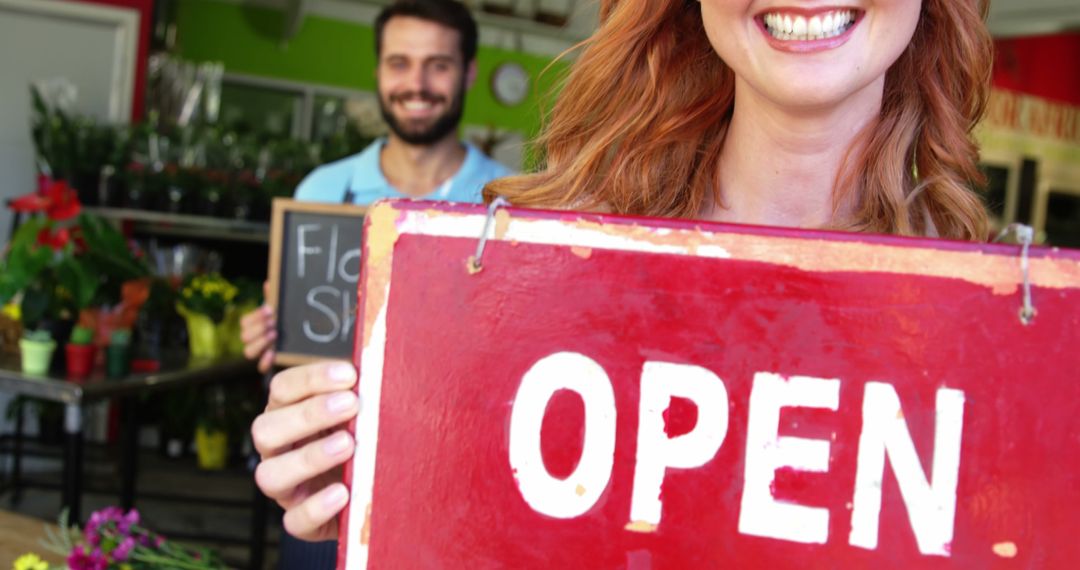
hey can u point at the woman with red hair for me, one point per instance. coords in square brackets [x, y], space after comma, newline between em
[855, 115]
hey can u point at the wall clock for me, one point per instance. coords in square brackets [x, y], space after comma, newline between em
[509, 83]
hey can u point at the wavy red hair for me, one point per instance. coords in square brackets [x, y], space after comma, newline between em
[641, 118]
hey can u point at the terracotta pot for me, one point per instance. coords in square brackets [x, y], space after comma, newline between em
[80, 360]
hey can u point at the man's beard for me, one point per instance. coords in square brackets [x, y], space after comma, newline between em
[429, 133]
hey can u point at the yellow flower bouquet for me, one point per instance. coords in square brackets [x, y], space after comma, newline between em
[205, 301]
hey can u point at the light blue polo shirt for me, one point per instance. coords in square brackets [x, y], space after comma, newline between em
[361, 176]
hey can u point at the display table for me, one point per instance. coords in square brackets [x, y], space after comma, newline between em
[20, 534]
[176, 371]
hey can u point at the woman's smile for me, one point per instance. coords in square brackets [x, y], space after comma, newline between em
[798, 30]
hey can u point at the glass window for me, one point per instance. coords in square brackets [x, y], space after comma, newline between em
[1063, 219]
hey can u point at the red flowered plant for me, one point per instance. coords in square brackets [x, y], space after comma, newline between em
[57, 200]
[117, 540]
[61, 259]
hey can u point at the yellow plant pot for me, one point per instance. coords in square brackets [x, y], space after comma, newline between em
[211, 447]
[203, 338]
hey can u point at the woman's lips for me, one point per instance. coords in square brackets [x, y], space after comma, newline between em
[802, 31]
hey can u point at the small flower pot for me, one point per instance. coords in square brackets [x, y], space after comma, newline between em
[36, 355]
[211, 447]
[80, 360]
[117, 360]
[204, 340]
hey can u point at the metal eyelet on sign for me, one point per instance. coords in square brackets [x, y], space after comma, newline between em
[474, 263]
[1024, 235]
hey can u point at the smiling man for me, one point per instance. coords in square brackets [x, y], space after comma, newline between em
[426, 52]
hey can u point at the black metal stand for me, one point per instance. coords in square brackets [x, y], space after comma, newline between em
[17, 451]
[259, 502]
[129, 451]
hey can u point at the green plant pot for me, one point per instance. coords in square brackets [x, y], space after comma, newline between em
[36, 355]
[117, 360]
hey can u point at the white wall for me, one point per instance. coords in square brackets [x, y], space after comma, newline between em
[92, 46]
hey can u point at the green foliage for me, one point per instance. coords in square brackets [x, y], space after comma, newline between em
[46, 277]
[81, 335]
[37, 336]
[120, 337]
[57, 281]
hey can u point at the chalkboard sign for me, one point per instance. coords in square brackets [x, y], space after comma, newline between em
[314, 267]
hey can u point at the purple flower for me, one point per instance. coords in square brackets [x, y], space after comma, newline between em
[122, 551]
[126, 522]
[80, 560]
[99, 519]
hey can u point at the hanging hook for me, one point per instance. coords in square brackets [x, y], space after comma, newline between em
[474, 262]
[1024, 235]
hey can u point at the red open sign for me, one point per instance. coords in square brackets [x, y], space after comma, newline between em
[630, 393]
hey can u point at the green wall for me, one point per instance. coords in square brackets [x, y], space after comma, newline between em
[337, 53]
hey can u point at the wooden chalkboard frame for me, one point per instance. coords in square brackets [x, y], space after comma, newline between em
[282, 207]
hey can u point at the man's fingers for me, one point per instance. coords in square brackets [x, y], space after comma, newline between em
[265, 361]
[257, 324]
[254, 349]
[279, 477]
[302, 382]
[316, 517]
[284, 427]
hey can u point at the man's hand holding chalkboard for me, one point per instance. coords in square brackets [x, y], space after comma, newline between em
[303, 440]
[258, 330]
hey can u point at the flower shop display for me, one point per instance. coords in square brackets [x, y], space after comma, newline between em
[63, 266]
[194, 167]
[116, 540]
[36, 349]
[80, 353]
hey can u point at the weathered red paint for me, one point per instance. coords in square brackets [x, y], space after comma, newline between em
[458, 344]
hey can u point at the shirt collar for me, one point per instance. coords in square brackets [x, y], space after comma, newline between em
[368, 175]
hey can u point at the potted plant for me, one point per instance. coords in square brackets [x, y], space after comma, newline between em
[118, 354]
[39, 270]
[211, 439]
[80, 353]
[36, 349]
[204, 301]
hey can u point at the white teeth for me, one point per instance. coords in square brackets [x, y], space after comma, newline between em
[821, 26]
[800, 26]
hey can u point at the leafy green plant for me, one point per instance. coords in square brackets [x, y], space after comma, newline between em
[37, 336]
[81, 335]
[120, 337]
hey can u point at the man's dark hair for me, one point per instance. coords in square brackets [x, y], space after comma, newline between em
[449, 13]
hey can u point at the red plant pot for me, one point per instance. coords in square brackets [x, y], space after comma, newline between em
[80, 360]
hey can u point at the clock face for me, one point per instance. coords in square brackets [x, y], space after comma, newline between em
[510, 83]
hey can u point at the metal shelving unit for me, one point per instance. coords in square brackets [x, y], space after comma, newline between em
[185, 225]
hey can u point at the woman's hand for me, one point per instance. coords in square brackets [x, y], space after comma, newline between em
[258, 329]
[303, 443]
